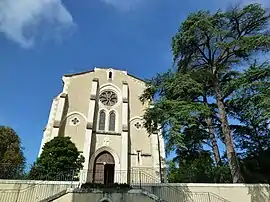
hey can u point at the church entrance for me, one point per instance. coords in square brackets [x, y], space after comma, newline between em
[104, 169]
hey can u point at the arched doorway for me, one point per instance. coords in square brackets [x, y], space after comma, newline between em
[104, 168]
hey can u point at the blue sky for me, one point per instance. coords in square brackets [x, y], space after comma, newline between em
[41, 40]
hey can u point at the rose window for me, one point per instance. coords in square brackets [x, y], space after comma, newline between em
[108, 98]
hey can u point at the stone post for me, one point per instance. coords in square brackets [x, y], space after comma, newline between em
[85, 174]
[125, 133]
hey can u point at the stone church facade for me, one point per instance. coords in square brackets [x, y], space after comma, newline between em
[100, 110]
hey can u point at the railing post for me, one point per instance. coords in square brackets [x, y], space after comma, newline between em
[209, 197]
[72, 178]
[140, 178]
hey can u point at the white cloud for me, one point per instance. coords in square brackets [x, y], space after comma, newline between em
[124, 5]
[20, 20]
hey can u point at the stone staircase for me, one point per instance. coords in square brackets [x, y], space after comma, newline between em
[135, 195]
[169, 193]
[45, 191]
[174, 196]
[34, 191]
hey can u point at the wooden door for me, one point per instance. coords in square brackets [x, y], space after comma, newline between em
[99, 173]
[104, 168]
[109, 174]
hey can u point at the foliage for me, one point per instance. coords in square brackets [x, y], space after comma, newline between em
[210, 51]
[59, 160]
[176, 106]
[12, 160]
[247, 105]
[195, 164]
[256, 167]
[214, 44]
[198, 167]
[252, 135]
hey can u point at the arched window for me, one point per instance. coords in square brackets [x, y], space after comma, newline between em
[102, 117]
[112, 121]
[110, 75]
[105, 200]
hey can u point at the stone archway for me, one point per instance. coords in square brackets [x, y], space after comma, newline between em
[104, 167]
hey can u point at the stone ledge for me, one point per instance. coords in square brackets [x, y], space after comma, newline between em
[93, 97]
[125, 100]
[56, 124]
[63, 95]
[107, 133]
[96, 190]
[89, 125]
[39, 182]
[214, 185]
[124, 128]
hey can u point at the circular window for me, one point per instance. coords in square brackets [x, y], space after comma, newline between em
[108, 98]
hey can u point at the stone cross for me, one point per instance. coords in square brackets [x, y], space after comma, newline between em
[106, 141]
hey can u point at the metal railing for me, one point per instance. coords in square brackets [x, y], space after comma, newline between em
[170, 193]
[140, 179]
[33, 190]
[21, 189]
[12, 172]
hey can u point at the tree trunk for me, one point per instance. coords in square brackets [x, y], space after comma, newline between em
[231, 154]
[212, 136]
[213, 140]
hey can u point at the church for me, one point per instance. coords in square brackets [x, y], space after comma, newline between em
[100, 110]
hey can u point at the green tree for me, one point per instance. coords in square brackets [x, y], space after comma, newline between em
[182, 113]
[197, 167]
[12, 160]
[203, 78]
[256, 166]
[193, 164]
[176, 105]
[59, 160]
[193, 167]
[252, 135]
[248, 107]
[182, 110]
[216, 44]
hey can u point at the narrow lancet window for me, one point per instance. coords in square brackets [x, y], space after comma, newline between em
[102, 117]
[112, 122]
[110, 75]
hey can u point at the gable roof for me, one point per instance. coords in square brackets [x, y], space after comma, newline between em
[78, 73]
[92, 70]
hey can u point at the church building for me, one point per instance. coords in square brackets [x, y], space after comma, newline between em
[100, 110]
